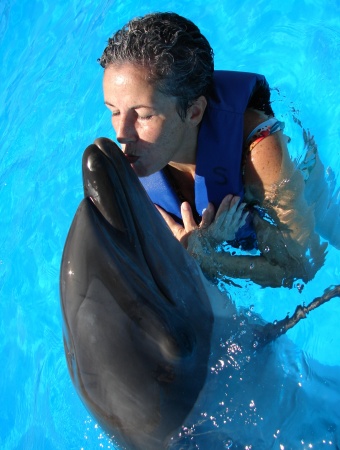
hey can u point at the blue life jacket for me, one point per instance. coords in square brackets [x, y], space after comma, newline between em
[220, 146]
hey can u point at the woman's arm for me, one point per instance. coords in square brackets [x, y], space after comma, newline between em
[272, 181]
[224, 264]
[290, 248]
[202, 242]
[275, 267]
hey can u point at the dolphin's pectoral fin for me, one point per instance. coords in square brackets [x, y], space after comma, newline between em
[137, 319]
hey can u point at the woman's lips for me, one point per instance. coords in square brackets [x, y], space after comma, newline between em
[131, 158]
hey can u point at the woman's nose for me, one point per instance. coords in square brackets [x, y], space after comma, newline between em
[125, 130]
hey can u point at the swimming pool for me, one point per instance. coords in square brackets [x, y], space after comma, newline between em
[52, 108]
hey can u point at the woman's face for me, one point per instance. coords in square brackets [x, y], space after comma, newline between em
[146, 122]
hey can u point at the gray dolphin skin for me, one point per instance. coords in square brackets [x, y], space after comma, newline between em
[137, 318]
[145, 335]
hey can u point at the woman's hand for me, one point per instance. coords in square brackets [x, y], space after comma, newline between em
[217, 228]
[182, 233]
[230, 217]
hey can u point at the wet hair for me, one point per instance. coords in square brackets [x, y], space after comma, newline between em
[179, 59]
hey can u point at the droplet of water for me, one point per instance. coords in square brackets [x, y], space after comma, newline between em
[267, 249]
[251, 266]
[228, 443]
[255, 344]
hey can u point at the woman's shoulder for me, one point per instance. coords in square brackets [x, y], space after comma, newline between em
[252, 119]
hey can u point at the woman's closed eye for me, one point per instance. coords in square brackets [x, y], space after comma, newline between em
[148, 117]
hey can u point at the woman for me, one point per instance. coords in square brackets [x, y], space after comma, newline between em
[201, 140]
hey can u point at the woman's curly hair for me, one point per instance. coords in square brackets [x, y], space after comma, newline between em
[178, 57]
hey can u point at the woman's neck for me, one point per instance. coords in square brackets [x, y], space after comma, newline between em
[183, 169]
[182, 178]
[181, 174]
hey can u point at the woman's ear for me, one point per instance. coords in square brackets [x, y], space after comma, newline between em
[196, 110]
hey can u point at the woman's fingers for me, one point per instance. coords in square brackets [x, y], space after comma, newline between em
[187, 217]
[168, 219]
[176, 228]
[223, 226]
[208, 216]
[180, 232]
[228, 202]
[238, 213]
[229, 219]
[230, 210]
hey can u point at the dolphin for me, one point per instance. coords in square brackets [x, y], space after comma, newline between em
[145, 334]
[137, 317]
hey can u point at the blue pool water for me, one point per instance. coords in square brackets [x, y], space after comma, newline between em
[51, 108]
